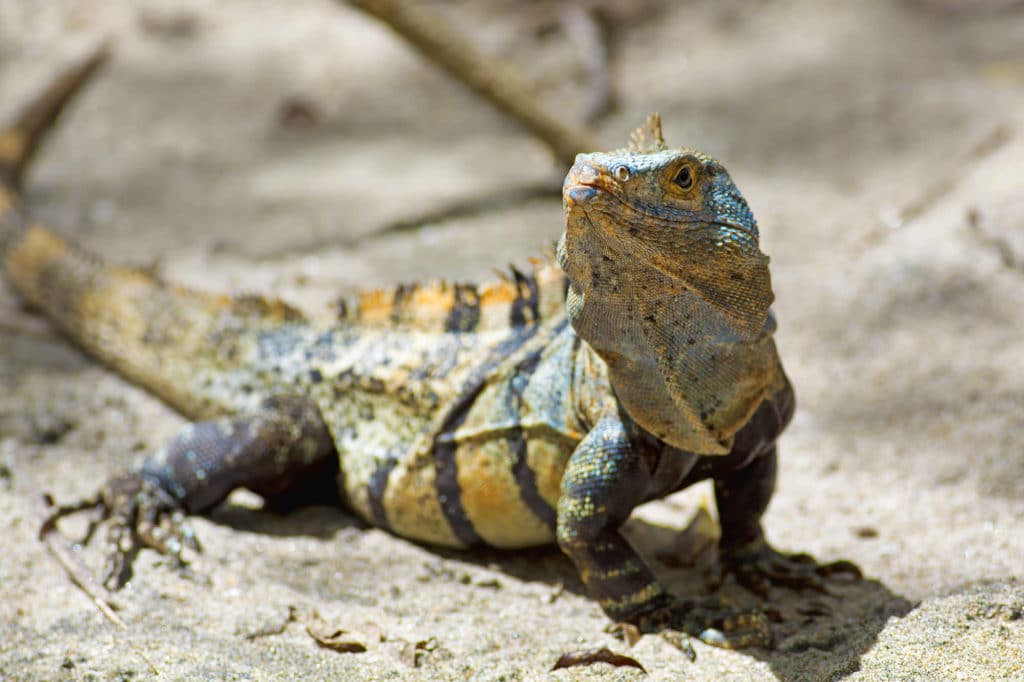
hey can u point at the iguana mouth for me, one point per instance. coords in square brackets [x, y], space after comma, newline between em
[579, 195]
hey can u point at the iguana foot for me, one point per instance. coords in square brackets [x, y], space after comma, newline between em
[710, 621]
[140, 514]
[758, 567]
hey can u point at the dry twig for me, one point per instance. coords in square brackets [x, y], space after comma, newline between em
[495, 80]
[50, 536]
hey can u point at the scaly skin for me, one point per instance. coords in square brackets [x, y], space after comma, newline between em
[458, 415]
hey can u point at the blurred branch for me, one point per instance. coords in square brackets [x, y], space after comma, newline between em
[456, 209]
[584, 29]
[495, 80]
[594, 28]
[944, 184]
[941, 186]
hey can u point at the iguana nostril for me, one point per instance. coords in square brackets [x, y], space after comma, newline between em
[583, 173]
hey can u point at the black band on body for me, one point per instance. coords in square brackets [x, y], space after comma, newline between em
[446, 478]
[518, 443]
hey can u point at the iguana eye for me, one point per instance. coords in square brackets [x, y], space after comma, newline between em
[684, 178]
[622, 173]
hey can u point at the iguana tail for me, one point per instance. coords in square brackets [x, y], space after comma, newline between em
[154, 334]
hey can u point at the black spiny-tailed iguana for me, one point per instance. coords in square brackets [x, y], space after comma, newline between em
[540, 409]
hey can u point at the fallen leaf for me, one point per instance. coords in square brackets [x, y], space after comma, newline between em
[331, 637]
[602, 655]
[339, 640]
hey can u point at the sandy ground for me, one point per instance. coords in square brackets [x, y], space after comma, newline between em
[881, 145]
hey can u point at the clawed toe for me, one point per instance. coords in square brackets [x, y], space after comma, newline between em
[139, 513]
[712, 623]
[842, 567]
[739, 630]
[167, 532]
[760, 567]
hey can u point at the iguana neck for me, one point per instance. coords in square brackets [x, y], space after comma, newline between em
[675, 362]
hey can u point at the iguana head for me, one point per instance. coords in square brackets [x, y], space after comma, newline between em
[667, 282]
[648, 210]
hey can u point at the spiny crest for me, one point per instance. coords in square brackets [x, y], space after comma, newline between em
[647, 139]
[518, 298]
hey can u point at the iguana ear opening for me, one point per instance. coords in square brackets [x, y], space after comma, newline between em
[647, 139]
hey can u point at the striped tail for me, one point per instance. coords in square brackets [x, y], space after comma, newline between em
[154, 334]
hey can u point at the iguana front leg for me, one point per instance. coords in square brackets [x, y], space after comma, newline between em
[603, 481]
[742, 497]
[282, 451]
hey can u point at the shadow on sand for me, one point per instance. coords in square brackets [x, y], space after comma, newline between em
[816, 636]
